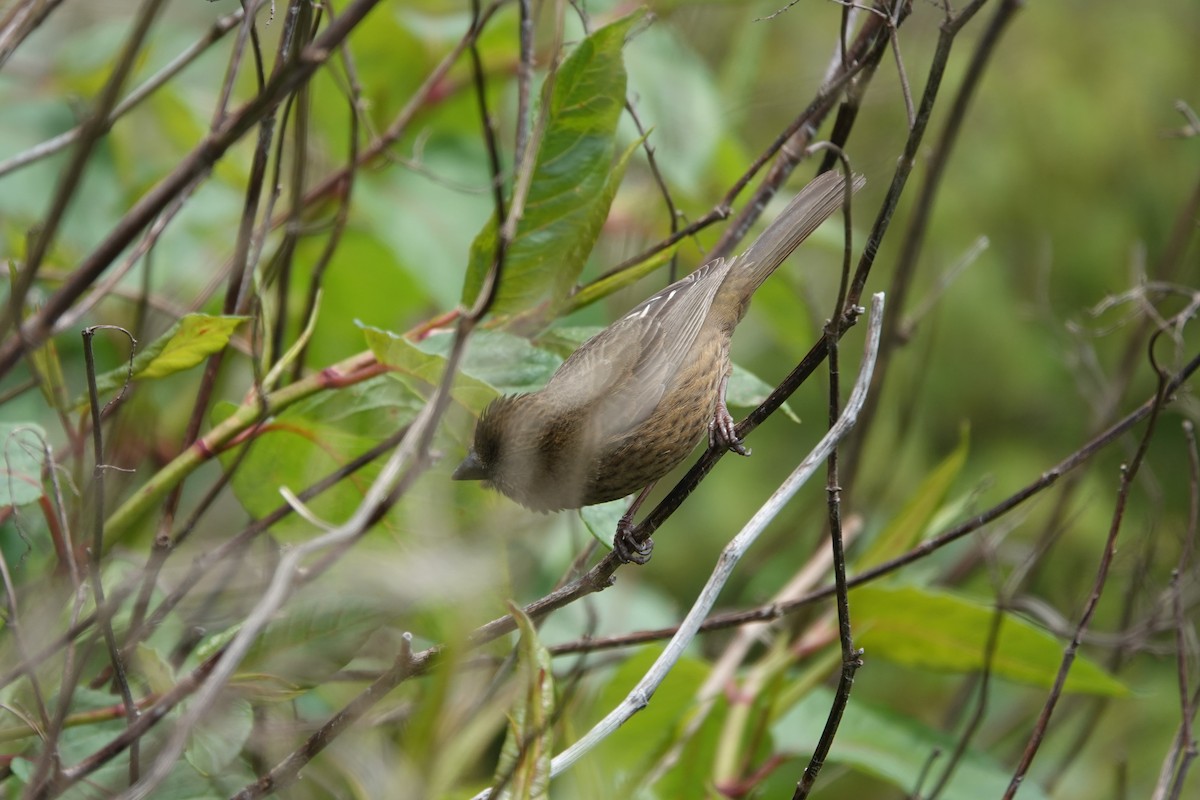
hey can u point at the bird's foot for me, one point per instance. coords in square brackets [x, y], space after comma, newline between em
[722, 431]
[627, 548]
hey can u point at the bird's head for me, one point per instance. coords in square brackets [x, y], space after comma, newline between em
[528, 452]
[495, 434]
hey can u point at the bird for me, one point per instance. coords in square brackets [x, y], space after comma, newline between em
[630, 403]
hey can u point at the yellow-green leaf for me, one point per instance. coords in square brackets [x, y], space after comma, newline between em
[906, 528]
[192, 339]
[524, 763]
[411, 362]
[573, 182]
[932, 629]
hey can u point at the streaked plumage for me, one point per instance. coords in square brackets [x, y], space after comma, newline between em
[632, 401]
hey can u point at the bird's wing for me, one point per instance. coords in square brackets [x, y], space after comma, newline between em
[632, 361]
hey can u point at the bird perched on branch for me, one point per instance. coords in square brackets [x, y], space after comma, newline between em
[630, 404]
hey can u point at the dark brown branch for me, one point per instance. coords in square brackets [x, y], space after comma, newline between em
[851, 657]
[918, 226]
[148, 718]
[97, 549]
[64, 193]
[921, 551]
[1128, 473]
[38, 327]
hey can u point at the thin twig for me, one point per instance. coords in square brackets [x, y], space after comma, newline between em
[1183, 750]
[283, 773]
[404, 459]
[20, 21]
[97, 549]
[851, 657]
[353, 91]
[13, 623]
[866, 43]
[775, 611]
[981, 704]
[150, 716]
[407, 461]
[60, 142]
[524, 80]
[1128, 473]
[35, 329]
[914, 236]
[72, 174]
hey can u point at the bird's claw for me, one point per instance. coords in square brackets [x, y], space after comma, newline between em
[722, 432]
[627, 548]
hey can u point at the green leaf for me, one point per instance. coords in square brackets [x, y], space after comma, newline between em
[314, 437]
[189, 341]
[636, 744]
[316, 635]
[603, 287]
[601, 519]
[47, 367]
[747, 390]
[893, 747]
[186, 344]
[411, 362]
[907, 527]
[507, 363]
[939, 630]
[525, 756]
[573, 182]
[21, 462]
[219, 737]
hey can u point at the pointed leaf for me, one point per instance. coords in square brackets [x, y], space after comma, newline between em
[906, 528]
[525, 756]
[572, 184]
[893, 747]
[938, 630]
[189, 341]
[411, 362]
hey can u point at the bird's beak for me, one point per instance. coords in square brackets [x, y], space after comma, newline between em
[471, 468]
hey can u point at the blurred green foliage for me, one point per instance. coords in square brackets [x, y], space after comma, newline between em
[1067, 163]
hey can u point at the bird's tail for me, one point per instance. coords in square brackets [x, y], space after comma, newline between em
[815, 203]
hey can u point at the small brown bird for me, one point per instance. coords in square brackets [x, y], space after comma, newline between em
[631, 402]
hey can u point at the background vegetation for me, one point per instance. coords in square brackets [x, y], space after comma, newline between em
[316, 182]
